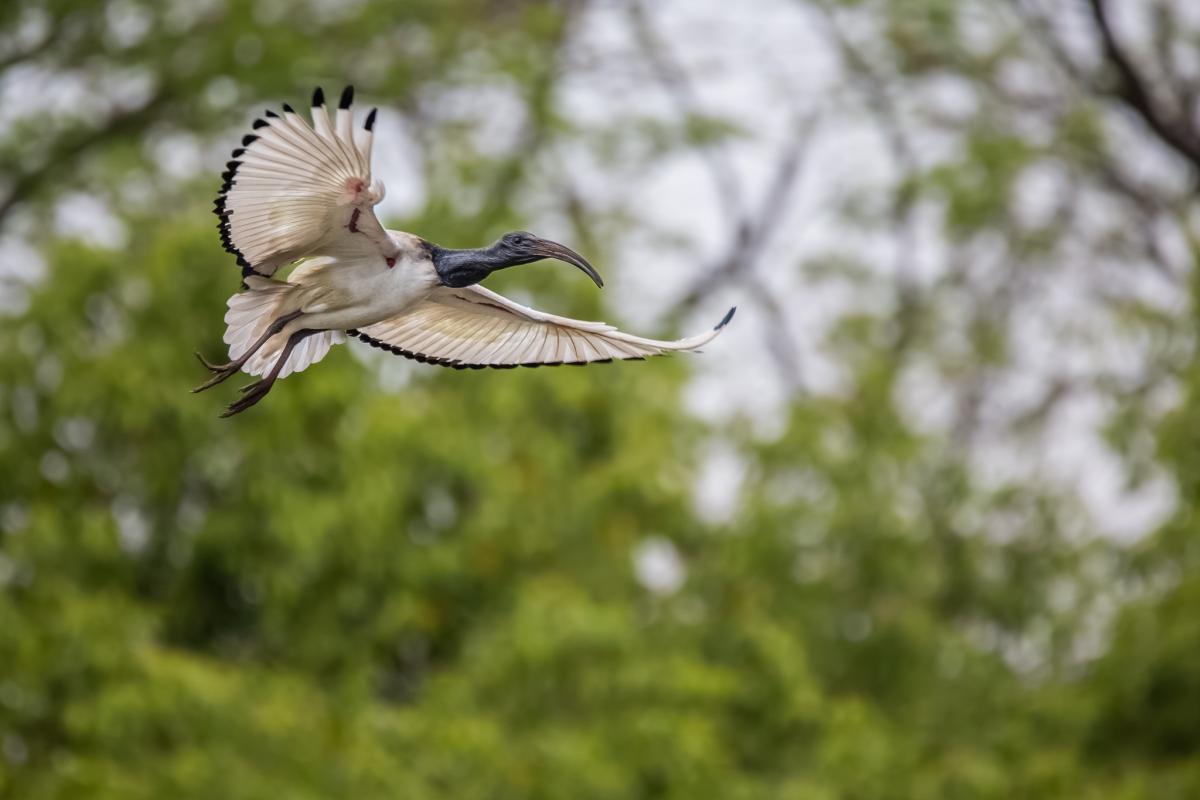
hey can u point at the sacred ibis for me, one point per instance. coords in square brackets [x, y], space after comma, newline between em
[301, 192]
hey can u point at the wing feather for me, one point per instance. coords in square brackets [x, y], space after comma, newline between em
[475, 327]
[295, 190]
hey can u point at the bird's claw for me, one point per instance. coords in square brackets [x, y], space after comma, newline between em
[219, 375]
[211, 367]
[220, 372]
[253, 393]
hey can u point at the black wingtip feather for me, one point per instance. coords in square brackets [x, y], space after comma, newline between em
[347, 97]
[259, 123]
[249, 139]
[222, 212]
[288, 109]
[370, 123]
[725, 321]
[318, 97]
[456, 364]
[270, 114]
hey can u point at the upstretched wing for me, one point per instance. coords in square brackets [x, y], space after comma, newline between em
[294, 190]
[475, 327]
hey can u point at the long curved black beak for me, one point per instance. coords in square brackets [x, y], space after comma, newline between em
[460, 268]
[544, 248]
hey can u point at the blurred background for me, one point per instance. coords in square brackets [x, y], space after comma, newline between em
[922, 523]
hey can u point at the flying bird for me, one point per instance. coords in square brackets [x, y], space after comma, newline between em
[296, 192]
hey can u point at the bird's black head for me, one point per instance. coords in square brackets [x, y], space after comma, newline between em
[459, 268]
[517, 239]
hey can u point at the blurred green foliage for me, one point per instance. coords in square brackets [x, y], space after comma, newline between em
[406, 582]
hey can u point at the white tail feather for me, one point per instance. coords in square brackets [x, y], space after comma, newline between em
[252, 311]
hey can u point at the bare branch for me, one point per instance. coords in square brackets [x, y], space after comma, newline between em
[754, 231]
[1039, 28]
[9, 60]
[881, 106]
[1132, 90]
[67, 152]
[678, 85]
[752, 228]
[780, 345]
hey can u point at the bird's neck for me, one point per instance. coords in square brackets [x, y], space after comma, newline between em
[458, 268]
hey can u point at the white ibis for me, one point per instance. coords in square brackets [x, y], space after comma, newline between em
[300, 192]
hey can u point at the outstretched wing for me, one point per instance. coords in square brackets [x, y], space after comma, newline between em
[294, 190]
[475, 327]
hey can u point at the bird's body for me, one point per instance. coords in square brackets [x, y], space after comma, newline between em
[296, 192]
[352, 291]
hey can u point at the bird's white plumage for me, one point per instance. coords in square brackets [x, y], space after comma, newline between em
[475, 327]
[295, 190]
[251, 313]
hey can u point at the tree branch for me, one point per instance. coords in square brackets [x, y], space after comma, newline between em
[678, 86]
[754, 230]
[16, 57]
[882, 107]
[66, 153]
[1132, 90]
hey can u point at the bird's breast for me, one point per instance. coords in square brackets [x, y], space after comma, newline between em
[405, 284]
[364, 289]
[378, 292]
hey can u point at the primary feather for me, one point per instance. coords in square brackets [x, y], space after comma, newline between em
[295, 190]
[474, 327]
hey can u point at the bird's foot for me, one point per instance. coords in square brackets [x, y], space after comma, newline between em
[210, 366]
[221, 372]
[252, 394]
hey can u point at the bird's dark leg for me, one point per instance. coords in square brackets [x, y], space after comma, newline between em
[258, 390]
[222, 372]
